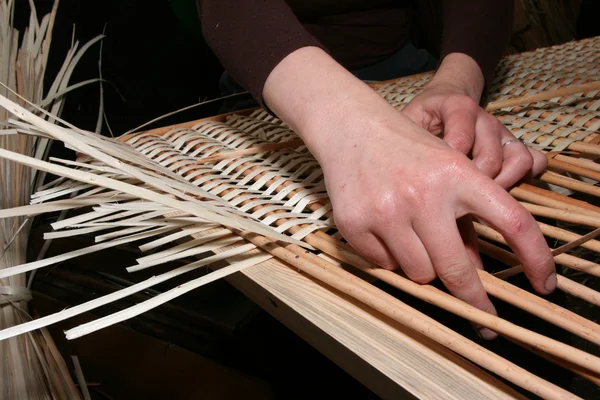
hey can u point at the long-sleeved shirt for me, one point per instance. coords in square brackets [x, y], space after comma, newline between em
[250, 37]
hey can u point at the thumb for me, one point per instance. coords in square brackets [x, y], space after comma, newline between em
[417, 113]
[459, 118]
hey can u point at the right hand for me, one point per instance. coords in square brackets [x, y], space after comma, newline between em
[396, 190]
[397, 193]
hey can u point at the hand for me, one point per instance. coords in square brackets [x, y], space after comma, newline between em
[448, 107]
[397, 191]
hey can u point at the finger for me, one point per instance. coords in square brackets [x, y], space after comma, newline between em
[454, 267]
[421, 117]
[540, 162]
[374, 249]
[469, 237]
[409, 252]
[501, 211]
[460, 118]
[487, 148]
[517, 164]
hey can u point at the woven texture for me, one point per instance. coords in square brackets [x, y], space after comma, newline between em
[570, 118]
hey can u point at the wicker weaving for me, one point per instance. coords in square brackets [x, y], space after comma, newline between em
[242, 188]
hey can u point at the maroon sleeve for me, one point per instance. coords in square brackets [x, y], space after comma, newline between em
[479, 28]
[251, 37]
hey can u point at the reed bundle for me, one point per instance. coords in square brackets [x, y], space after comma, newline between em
[243, 189]
[31, 368]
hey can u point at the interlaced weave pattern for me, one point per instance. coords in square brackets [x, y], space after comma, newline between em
[571, 118]
[280, 189]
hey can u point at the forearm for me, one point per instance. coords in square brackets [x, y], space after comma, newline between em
[308, 90]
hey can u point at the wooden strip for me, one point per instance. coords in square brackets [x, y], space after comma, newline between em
[561, 215]
[532, 196]
[559, 256]
[580, 162]
[196, 208]
[569, 183]
[568, 236]
[250, 151]
[169, 295]
[59, 205]
[564, 284]
[575, 169]
[549, 194]
[112, 297]
[19, 269]
[543, 96]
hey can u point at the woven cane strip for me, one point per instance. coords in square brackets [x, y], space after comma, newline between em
[249, 175]
[552, 125]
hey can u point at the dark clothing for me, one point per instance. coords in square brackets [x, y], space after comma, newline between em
[250, 37]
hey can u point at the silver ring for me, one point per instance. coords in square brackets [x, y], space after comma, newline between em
[510, 141]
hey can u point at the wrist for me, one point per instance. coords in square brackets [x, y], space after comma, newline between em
[324, 103]
[462, 73]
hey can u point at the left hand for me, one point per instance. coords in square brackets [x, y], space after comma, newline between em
[446, 110]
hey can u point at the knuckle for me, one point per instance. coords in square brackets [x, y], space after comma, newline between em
[517, 221]
[455, 275]
[413, 195]
[461, 141]
[383, 206]
[348, 223]
[490, 163]
[526, 160]
[457, 167]
[466, 103]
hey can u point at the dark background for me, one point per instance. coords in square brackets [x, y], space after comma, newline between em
[156, 64]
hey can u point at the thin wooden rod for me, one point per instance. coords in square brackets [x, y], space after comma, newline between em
[521, 193]
[569, 183]
[568, 236]
[564, 284]
[391, 307]
[580, 162]
[584, 373]
[543, 96]
[561, 215]
[559, 197]
[575, 169]
[559, 256]
[541, 308]
[578, 290]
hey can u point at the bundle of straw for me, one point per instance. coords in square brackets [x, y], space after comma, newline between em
[31, 367]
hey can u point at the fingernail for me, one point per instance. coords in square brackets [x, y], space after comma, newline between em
[486, 334]
[483, 332]
[551, 282]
